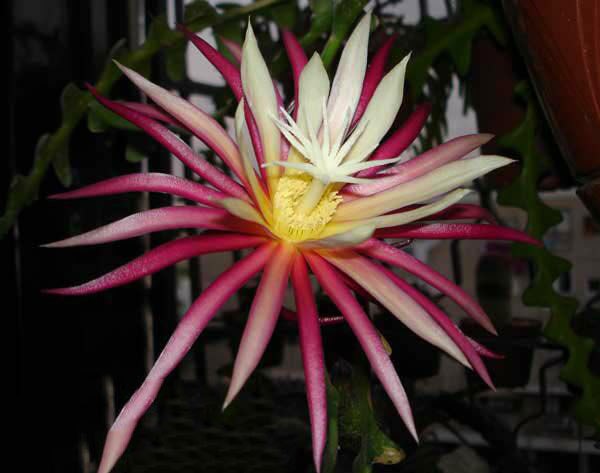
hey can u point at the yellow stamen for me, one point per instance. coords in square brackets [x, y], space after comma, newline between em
[290, 223]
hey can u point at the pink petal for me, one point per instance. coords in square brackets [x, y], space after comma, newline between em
[445, 323]
[456, 231]
[298, 60]
[313, 359]
[484, 351]
[388, 254]
[366, 334]
[184, 153]
[256, 142]
[401, 139]
[186, 333]
[151, 111]
[234, 48]
[161, 257]
[422, 164]
[230, 73]
[150, 182]
[262, 318]
[166, 218]
[373, 76]
[464, 211]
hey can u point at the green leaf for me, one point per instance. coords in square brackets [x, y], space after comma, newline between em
[345, 14]
[522, 193]
[358, 424]
[320, 22]
[71, 99]
[101, 119]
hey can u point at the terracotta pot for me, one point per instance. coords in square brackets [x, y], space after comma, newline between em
[561, 44]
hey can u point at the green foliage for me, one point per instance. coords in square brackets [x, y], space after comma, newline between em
[522, 193]
[355, 417]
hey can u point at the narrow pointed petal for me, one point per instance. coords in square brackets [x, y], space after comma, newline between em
[373, 76]
[151, 111]
[191, 325]
[369, 275]
[442, 154]
[456, 231]
[255, 139]
[349, 77]
[401, 139]
[313, 359]
[313, 90]
[243, 210]
[260, 95]
[428, 162]
[432, 184]
[201, 124]
[367, 336]
[150, 182]
[161, 257]
[165, 218]
[396, 257]
[230, 73]
[262, 318]
[464, 212]
[234, 49]
[298, 60]
[400, 218]
[484, 351]
[212, 136]
[256, 186]
[336, 236]
[380, 113]
[446, 324]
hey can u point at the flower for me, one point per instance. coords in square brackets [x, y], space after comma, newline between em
[316, 189]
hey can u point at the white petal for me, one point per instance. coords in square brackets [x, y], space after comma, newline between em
[349, 77]
[313, 89]
[434, 183]
[349, 238]
[259, 91]
[402, 218]
[381, 112]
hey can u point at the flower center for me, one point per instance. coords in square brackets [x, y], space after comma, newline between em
[290, 222]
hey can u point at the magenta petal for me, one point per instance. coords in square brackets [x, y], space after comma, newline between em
[234, 48]
[298, 60]
[150, 182]
[463, 212]
[151, 111]
[484, 351]
[230, 73]
[255, 138]
[262, 319]
[446, 324]
[313, 359]
[422, 164]
[165, 218]
[186, 333]
[456, 231]
[401, 139]
[366, 334]
[388, 254]
[179, 148]
[161, 257]
[373, 76]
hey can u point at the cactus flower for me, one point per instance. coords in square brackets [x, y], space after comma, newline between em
[316, 188]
